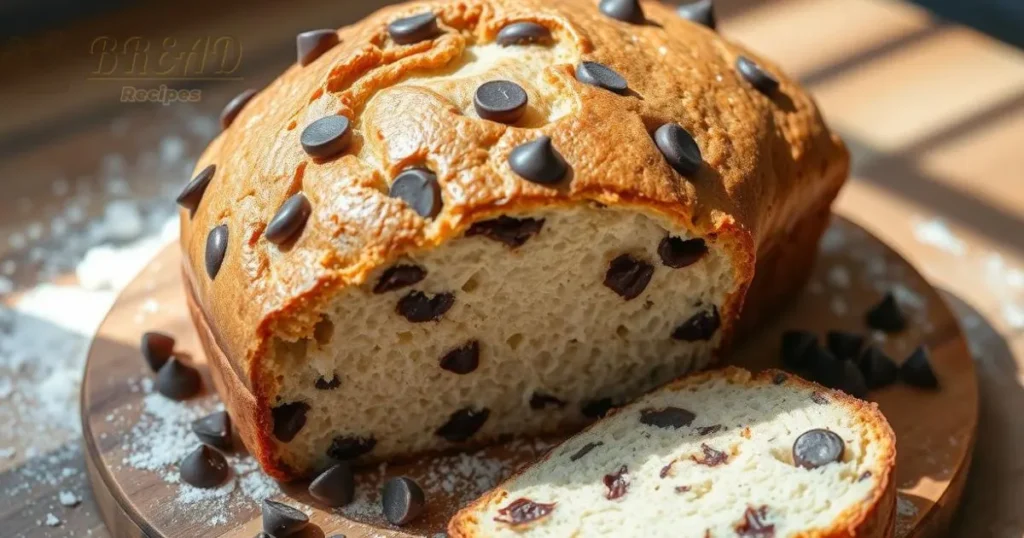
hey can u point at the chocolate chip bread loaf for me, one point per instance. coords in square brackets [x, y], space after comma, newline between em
[463, 219]
[716, 454]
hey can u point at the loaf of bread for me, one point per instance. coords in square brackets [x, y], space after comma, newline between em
[715, 454]
[459, 220]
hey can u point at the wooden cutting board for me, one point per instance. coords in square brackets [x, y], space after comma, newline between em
[133, 437]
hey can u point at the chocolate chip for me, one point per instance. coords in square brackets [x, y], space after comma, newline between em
[157, 348]
[623, 10]
[683, 489]
[289, 219]
[819, 398]
[864, 476]
[699, 11]
[853, 382]
[349, 448]
[700, 326]
[666, 469]
[334, 487]
[617, 483]
[402, 500]
[677, 253]
[502, 101]
[417, 307]
[289, 420]
[679, 148]
[216, 248]
[584, 450]
[886, 315]
[325, 384]
[523, 33]
[463, 359]
[398, 277]
[710, 457]
[326, 137]
[463, 423]
[754, 523]
[825, 368]
[512, 232]
[281, 520]
[540, 400]
[538, 161]
[817, 447]
[628, 276]
[522, 511]
[602, 76]
[418, 187]
[204, 468]
[192, 194]
[879, 370]
[312, 44]
[760, 79]
[668, 417]
[779, 378]
[234, 106]
[917, 370]
[708, 430]
[177, 380]
[414, 29]
[214, 429]
[797, 348]
[596, 408]
[844, 345]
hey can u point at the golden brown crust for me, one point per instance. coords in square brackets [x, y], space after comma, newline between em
[768, 162]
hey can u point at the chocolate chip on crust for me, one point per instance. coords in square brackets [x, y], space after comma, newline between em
[414, 29]
[326, 137]
[523, 33]
[623, 10]
[628, 276]
[879, 370]
[157, 348]
[193, 192]
[205, 467]
[760, 79]
[601, 76]
[886, 315]
[700, 326]
[463, 359]
[216, 249]
[700, 12]
[538, 161]
[502, 101]
[817, 447]
[234, 106]
[402, 500]
[510, 231]
[668, 417]
[417, 307]
[289, 419]
[344, 448]
[312, 44]
[917, 370]
[279, 519]
[679, 148]
[419, 189]
[398, 277]
[289, 220]
[677, 253]
[177, 380]
[540, 400]
[463, 423]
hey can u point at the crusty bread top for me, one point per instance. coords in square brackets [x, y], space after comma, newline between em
[764, 158]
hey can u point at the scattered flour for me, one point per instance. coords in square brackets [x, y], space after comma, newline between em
[935, 232]
[68, 499]
[52, 520]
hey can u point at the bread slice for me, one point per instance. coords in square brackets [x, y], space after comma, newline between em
[709, 455]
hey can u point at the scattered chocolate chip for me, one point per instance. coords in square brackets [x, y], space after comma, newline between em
[668, 417]
[700, 326]
[539, 401]
[817, 447]
[760, 79]
[402, 500]
[523, 33]
[886, 315]
[779, 378]
[677, 253]
[679, 148]
[512, 232]
[417, 307]
[214, 429]
[538, 161]
[623, 10]
[326, 137]
[699, 11]
[157, 348]
[879, 370]
[628, 276]
[584, 450]
[708, 430]
[324, 384]
[521, 511]
[711, 457]
[349, 448]
[414, 29]
[853, 382]
[819, 398]
[289, 219]
[204, 468]
[334, 487]
[844, 345]
[682, 489]
[312, 44]
[216, 248]
[665, 470]
[864, 476]
[463, 359]
[177, 380]
[602, 76]
[234, 106]
[917, 370]
[281, 520]
[289, 420]
[797, 348]
[418, 187]
[825, 368]
[262, 534]
[754, 524]
[597, 408]
[502, 101]
[617, 483]
[398, 277]
[463, 423]
[192, 194]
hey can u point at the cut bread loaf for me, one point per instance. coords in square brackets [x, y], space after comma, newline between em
[377, 270]
[716, 454]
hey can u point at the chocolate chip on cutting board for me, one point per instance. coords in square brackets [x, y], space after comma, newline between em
[700, 327]
[205, 467]
[463, 423]
[281, 520]
[418, 307]
[917, 370]
[628, 276]
[463, 359]
[214, 429]
[667, 417]
[177, 380]
[523, 33]
[157, 348]
[289, 419]
[798, 348]
[402, 500]
[676, 252]
[817, 447]
[844, 345]
[512, 232]
[345, 448]
[398, 277]
[886, 315]
[334, 487]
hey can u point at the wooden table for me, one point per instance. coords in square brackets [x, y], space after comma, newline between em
[933, 112]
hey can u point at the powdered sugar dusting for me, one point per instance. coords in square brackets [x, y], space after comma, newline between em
[935, 232]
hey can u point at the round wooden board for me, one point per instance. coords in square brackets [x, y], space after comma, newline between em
[935, 430]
